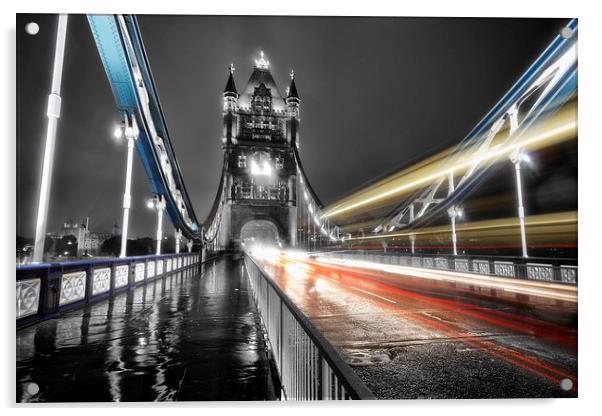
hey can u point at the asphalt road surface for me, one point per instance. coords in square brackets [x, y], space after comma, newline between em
[411, 333]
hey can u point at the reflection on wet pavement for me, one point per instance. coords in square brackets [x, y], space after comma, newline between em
[182, 337]
[408, 338]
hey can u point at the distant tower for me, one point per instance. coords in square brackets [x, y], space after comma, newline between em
[259, 184]
[116, 229]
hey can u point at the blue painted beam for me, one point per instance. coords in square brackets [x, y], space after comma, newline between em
[121, 50]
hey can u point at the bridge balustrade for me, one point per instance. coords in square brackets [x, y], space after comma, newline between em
[542, 269]
[260, 192]
[309, 367]
[46, 290]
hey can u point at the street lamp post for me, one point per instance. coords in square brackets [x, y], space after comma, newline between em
[53, 113]
[454, 212]
[516, 158]
[412, 236]
[178, 236]
[131, 135]
[158, 203]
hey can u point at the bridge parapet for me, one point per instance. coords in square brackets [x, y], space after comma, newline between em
[564, 271]
[47, 290]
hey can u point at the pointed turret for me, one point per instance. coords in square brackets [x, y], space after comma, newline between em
[230, 89]
[292, 97]
[230, 93]
[230, 104]
[292, 89]
[292, 104]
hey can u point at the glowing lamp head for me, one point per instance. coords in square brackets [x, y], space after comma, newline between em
[150, 204]
[118, 132]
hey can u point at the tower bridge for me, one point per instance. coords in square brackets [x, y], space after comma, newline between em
[261, 128]
[281, 297]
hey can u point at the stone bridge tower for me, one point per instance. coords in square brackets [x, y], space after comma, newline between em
[259, 176]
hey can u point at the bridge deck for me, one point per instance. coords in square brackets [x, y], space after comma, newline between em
[408, 337]
[183, 337]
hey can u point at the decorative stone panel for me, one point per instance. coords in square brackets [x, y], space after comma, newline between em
[441, 263]
[503, 268]
[28, 296]
[481, 266]
[121, 275]
[73, 287]
[568, 274]
[139, 272]
[462, 265]
[101, 280]
[536, 271]
[150, 269]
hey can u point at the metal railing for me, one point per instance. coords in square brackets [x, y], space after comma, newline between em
[541, 269]
[46, 290]
[309, 367]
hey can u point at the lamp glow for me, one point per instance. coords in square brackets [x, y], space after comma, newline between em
[118, 132]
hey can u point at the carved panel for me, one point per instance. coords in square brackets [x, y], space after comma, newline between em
[101, 280]
[73, 287]
[416, 262]
[503, 268]
[441, 263]
[536, 271]
[139, 272]
[121, 275]
[481, 266]
[150, 269]
[28, 296]
[461, 265]
[428, 263]
[568, 274]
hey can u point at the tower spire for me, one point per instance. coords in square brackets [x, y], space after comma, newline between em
[292, 89]
[230, 85]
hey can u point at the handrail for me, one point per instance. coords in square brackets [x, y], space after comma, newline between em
[310, 368]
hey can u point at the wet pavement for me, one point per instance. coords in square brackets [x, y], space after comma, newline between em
[409, 337]
[182, 337]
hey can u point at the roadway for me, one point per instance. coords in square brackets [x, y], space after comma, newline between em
[411, 333]
[180, 337]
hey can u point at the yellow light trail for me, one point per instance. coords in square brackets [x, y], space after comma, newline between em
[555, 219]
[561, 127]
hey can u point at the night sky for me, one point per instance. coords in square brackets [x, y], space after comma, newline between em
[376, 93]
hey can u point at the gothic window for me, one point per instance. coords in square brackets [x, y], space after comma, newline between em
[262, 99]
[279, 162]
[242, 161]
